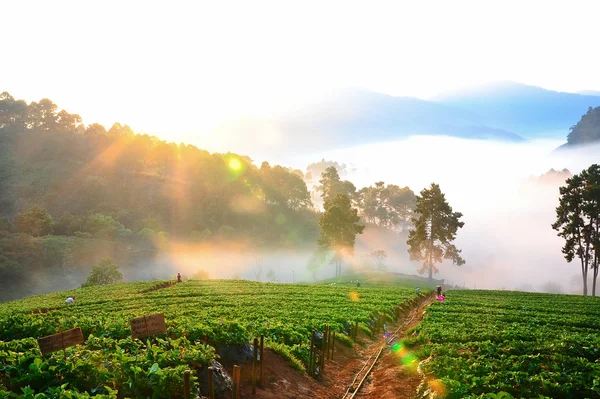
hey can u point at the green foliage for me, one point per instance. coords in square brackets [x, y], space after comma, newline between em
[57, 251]
[103, 226]
[339, 224]
[286, 353]
[345, 340]
[106, 272]
[332, 185]
[138, 181]
[587, 130]
[386, 206]
[578, 221]
[482, 343]
[339, 227]
[225, 312]
[35, 221]
[434, 230]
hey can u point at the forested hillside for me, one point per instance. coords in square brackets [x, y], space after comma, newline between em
[72, 194]
[119, 194]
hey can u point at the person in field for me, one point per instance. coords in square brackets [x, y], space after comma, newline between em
[70, 300]
[386, 333]
[441, 297]
[179, 277]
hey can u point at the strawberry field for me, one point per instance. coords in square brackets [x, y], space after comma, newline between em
[200, 316]
[479, 343]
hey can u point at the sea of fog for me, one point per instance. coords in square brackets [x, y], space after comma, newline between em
[507, 240]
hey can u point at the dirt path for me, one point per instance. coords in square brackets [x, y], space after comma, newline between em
[395, 375]
[389, 377]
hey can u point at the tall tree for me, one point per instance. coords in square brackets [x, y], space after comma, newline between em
[106, 272]
[339, 228]
[434, 231]
[332, 185]
[578, 222]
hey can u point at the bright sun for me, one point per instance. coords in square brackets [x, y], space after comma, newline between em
[235, 164]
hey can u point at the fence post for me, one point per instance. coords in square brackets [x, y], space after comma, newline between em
[323, 349]
[329, 343]
[332, 345]
[236, 382]
[262, 360]
[186, 384]
[254, 360]
[310, 356]
[211, 383]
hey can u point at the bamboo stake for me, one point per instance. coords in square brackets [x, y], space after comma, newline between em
[332, 345]
[186, 384]
[329, 343]
[310, 356]
[322, 358]
[254, 360]
[262, 360]
[236, 382]
[211, 383]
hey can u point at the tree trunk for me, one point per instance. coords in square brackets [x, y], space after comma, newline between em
[584, 275]
[595, 271]
[430, 265]
[594, 280]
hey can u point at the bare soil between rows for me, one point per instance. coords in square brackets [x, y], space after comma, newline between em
[390, 378]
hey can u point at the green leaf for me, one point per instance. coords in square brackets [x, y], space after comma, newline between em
[154, 368]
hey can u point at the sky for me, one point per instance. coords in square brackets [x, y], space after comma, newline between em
[178, 69]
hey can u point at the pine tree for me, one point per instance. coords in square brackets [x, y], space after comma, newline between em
[434, 231]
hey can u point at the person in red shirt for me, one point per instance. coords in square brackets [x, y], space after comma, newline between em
[179, 277]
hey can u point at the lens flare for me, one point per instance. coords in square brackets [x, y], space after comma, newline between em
[438, 388]
[410, 362]
[235, 164]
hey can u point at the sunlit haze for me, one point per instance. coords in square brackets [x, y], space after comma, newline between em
[178, 69]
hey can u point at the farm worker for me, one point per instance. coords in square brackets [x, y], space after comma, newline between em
[441, 297]
[70, 299]
[386, 334]
[179, 277]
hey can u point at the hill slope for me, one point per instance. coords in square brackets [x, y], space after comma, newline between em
[527, 110]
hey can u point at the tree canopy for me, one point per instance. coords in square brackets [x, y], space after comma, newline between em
[386, 206]
[331, 185]
[105, 272]
[578, 221]
[435, 228]
[339, 227]
[35, 221]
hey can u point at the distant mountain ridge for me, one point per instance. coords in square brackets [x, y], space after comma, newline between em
[352, 117]
[529, 111]
[504, 111]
